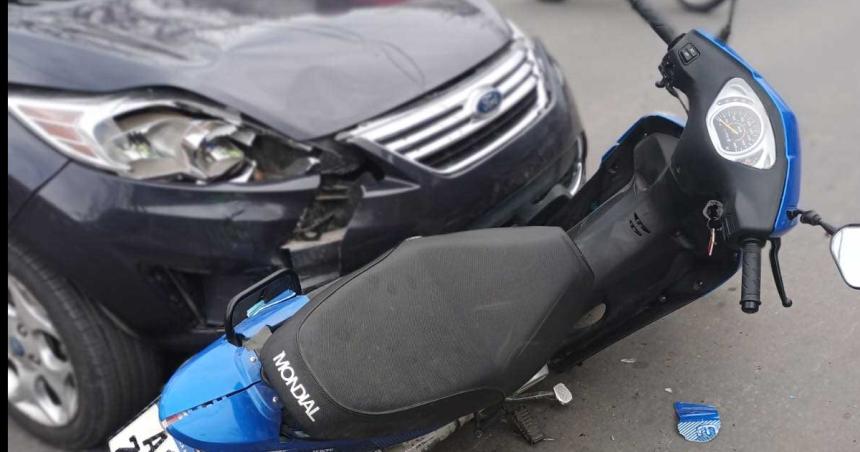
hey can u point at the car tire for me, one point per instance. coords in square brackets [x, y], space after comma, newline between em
[111, 375]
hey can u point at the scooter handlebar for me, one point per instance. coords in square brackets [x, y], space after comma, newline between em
[666, 32]
[751, 276]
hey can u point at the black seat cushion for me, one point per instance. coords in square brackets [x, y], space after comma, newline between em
[436, 328]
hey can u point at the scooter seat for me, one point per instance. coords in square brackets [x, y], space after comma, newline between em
[437, 328]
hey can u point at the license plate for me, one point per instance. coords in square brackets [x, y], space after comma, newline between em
[144, 434]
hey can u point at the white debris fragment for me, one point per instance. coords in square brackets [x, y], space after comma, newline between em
[628, 360]
[669, 390]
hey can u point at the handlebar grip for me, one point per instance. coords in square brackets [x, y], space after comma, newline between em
[751, 276]
[657, 22]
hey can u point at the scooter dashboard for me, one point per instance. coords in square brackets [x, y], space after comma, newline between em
[740, 151]
[740, 145]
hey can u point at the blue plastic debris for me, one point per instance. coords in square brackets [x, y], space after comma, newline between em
[697, 422]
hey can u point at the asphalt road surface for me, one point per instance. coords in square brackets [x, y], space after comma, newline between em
[783, 379]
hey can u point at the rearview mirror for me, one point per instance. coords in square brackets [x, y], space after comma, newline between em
[845, 247]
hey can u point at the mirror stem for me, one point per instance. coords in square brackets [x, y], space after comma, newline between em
[812, 218]
[727, 28]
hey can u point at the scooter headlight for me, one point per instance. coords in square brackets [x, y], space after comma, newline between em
[149, 135]
[739, 127]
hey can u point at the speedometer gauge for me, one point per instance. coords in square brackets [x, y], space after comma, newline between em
[738, 127]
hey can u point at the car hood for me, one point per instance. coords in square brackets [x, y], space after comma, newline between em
[306, 68]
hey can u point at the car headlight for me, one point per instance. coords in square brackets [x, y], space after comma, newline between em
[739, 126]
[166, 136]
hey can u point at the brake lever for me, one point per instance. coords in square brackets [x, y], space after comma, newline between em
[775, 243]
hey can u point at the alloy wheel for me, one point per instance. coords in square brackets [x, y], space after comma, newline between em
[41, 380]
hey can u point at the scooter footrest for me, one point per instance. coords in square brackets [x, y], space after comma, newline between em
[526, 425]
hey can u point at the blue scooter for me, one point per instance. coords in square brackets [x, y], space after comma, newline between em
[457, 328]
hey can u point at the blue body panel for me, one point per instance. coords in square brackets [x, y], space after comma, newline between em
[232, 395]
[245, 421]
[227, 370]
[791, 190]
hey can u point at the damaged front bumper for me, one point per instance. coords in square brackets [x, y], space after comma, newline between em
[388, 214]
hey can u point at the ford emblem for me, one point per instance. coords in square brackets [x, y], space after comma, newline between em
[488, 102]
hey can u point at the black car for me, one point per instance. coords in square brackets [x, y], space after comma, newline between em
[163, 155]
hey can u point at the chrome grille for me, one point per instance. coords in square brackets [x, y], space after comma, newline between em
[447, 133]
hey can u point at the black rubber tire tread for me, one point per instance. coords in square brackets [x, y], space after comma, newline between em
[116, 375]
[700, 7]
